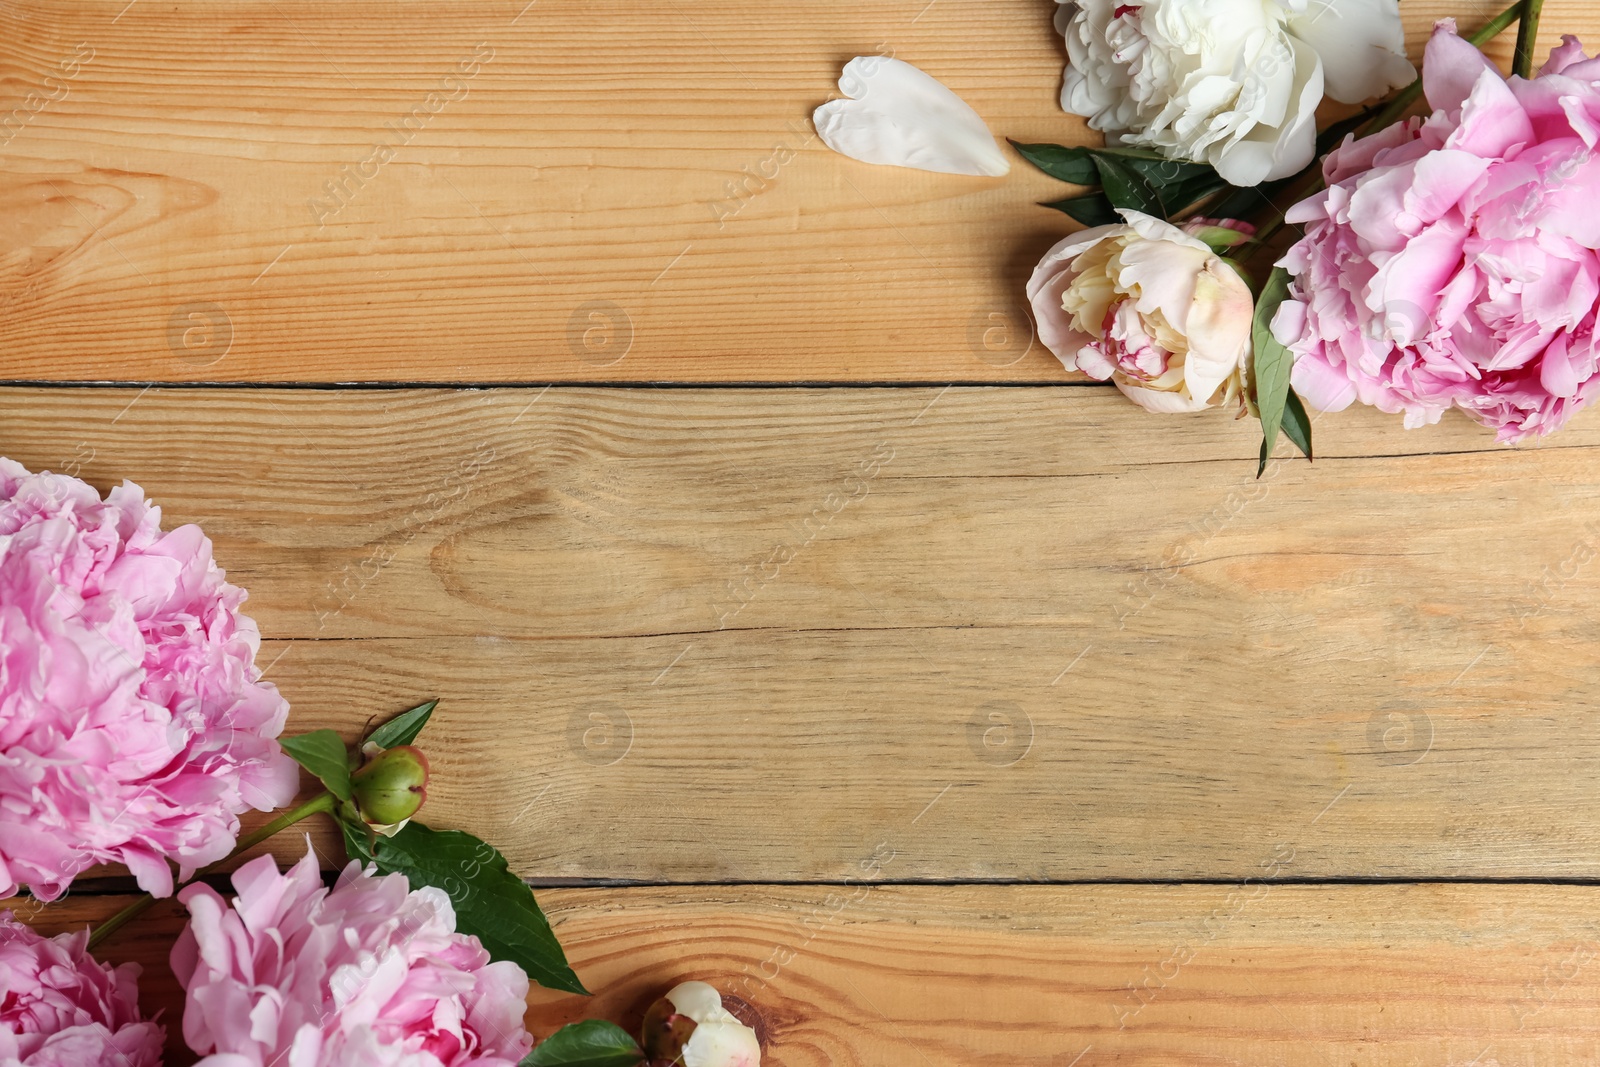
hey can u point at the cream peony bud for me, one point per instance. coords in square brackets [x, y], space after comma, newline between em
[689, 1026]
[1148, 307]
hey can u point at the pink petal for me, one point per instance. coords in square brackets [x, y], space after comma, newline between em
[1564, 55]
[1320, 385]
[1451, 67]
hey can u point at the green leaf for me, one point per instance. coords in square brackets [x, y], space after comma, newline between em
[1270, 362]
[1126, 188]
[1068, 164]
[1091, 209]
[1161, 172]
[491, 903]
[322, 752]
[1128, 177]
[1179, 198]
[1296, 424]
[404, 727]
[593, 1043]
[1177, 183]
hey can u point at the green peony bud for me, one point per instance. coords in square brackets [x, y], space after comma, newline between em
[390, 787]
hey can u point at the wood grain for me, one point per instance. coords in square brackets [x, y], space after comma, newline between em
[1028, 633]
[1220, 975]
[531, 191]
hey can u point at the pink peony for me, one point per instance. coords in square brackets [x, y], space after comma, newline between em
[297, 975]
[133, 726]
[59, 1008]
[1452, 261]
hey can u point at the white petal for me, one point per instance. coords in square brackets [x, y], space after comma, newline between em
[1362, 45]
[722, 1043]
[1267, 153]
[901, 117]
[697, 1000]
[1218, 329]
[1160, 401]
[1153, 229]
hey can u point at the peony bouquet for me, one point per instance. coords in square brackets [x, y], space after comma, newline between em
[1440, 262]
[135, 728]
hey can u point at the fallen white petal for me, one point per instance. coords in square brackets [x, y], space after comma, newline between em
[900, 117]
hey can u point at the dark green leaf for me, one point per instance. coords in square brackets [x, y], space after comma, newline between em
[1270, 361]
[1124, 152]
[491, 903]
[404, 727]
[1177, 183]
[1068, 164]
[1129, 177]
[1185, 195]
[593, 1043]
[1164, 172]
[1125, 188]
[1091, 209]
[1296, 424]
[1077, 163]
[322, 752]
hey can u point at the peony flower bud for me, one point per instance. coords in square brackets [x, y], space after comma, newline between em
[390, 787]
[1149, 307]
[689, 1026]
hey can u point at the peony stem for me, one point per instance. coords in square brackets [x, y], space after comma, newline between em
[322, 803]
[1406, 97]
[1527, 31]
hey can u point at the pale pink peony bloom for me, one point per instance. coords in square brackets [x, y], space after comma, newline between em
[133, 724]
[370, 973]
[1452, 261]
[60, 1008]
[1148, 306]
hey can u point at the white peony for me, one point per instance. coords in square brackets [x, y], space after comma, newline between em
[1233, 83]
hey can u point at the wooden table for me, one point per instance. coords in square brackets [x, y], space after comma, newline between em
[958, 714]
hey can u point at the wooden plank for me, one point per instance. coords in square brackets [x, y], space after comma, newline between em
[1079, 635]
[579, 197]
[1221, 975]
